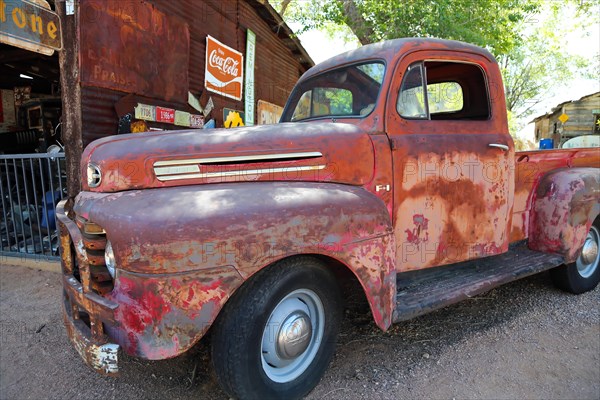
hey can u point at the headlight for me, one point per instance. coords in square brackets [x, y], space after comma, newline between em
[94, 175]
[109, 259]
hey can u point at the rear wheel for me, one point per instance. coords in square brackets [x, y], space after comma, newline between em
[276, 336]
[584, 274]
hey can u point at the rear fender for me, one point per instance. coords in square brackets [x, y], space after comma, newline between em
[565, 204]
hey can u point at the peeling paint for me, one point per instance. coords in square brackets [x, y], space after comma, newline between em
[566, 203]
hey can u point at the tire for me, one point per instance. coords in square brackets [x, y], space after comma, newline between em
[584, 274]
[250, 356]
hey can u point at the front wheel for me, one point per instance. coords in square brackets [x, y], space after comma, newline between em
[276, 336]
[584, 274]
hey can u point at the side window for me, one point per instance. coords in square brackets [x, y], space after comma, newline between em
[455, 91]
[411, 101]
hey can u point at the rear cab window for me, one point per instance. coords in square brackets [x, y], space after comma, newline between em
[444, 90]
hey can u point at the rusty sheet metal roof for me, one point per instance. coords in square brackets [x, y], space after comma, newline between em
[558, 107]
[389, 49]
[283, 31]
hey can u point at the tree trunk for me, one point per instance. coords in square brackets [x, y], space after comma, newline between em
[284, 6]
[357, 23]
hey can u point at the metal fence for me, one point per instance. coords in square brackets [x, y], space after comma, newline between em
[30, 187]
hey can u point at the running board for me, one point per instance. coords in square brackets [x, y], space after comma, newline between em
[423, 291]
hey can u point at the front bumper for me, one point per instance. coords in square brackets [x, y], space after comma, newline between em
[84, 311]
[102, 357]
[151, 315]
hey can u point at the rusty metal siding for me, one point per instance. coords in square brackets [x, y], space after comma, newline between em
[99, 118]
[277, 68]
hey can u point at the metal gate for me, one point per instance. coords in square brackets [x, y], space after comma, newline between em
[30, 187]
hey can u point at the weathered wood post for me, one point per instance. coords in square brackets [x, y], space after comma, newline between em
[71, 93]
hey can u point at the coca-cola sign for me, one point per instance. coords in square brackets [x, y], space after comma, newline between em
[224, 72]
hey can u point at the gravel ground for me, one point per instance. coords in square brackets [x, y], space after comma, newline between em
[523, 340]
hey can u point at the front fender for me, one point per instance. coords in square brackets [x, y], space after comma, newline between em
[566, 203]
[248, 226]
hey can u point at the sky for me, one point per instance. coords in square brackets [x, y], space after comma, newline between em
[586, 43]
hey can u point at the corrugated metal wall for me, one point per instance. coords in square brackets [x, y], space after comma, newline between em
[276, 68]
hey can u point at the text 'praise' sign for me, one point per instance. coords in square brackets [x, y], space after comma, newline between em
[224, 73]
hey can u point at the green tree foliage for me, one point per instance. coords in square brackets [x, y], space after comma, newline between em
[488, 23]
[542, 64]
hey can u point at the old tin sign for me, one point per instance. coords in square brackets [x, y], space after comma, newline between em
[268, 113]
[29, 26]
[196, 121]
[249, 100]
[182, 118]
[133, 47]
[145, 112]
[166, 115]
[224, 73]
[232, 118]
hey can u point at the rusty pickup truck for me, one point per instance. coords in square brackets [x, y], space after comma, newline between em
[392, 168]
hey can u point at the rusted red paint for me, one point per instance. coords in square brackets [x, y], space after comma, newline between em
[160, 316]
[530, 167]
[343, 222]
[419, 233]
[129, 159]
[466, 210]
[565, 204]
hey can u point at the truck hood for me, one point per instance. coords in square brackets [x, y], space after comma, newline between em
[318, 152]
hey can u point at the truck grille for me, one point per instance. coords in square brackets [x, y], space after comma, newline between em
[93, 244]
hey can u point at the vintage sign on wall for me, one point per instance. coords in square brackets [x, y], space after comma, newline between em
[29, 26]
[268, 113]
[232, 118]
[165, 115]
[133, 47]
[249, 89]
[224, 72]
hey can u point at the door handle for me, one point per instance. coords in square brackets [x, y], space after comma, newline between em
[499, 146]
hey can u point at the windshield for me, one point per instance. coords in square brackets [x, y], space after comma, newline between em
[344, 92]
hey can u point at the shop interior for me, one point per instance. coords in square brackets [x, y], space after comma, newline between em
[30, 110]
[32, 173]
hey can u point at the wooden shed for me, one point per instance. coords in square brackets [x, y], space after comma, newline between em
[570, 119]
[130, 61]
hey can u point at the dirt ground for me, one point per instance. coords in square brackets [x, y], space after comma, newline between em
[525, 340]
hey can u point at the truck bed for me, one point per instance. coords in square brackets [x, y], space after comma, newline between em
[530, 166]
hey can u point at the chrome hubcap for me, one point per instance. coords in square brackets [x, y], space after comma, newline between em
[292, 335]
[588, 261]
[590, 251]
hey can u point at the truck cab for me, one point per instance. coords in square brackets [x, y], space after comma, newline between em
[392, 168]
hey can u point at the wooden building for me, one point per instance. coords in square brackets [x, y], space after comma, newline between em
[570, 119]
[120, 56]
[75, 71]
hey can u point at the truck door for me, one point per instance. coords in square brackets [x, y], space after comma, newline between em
[453, 159]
